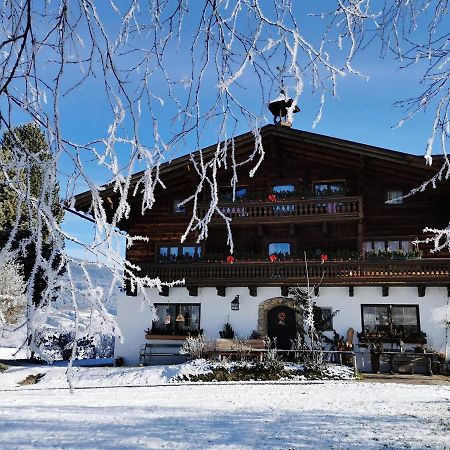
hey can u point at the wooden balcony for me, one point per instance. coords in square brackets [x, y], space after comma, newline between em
[432, 272]
[291, 210]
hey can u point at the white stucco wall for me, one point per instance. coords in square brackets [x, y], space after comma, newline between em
[134, 316]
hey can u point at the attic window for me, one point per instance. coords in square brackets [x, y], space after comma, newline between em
[394, 197]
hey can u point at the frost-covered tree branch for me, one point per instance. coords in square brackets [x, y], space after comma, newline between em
[168, 74]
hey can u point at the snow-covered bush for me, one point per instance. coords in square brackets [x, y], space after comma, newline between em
[194, 347]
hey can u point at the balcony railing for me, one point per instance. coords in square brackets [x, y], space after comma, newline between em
[292, 210]
[435, 271]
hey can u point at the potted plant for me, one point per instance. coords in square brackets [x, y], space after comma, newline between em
[227, 332]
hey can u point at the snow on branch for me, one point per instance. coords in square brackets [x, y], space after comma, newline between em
[169, 77]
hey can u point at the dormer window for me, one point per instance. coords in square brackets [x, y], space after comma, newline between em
[394, 197]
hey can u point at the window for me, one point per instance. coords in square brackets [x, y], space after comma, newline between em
[394, 197]
[406, 246]
[323, 318]
[332, 187]
[177, 208]
[393, 246]
[282, 188]
[282, 248]
[179, 253]
[240, 193]
[226, 194]
[389, 320]
[173, 318]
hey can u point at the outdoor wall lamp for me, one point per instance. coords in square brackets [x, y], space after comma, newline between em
[235, 304]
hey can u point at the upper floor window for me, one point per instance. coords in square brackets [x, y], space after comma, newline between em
[240, 193]
[282, 248]
[176, 253]
[390, 246]
[282, 188]
[328, 187]
[390, 319]
[394, 197]
[226, 193]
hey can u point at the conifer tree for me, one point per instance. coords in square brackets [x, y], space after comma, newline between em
[23, 180]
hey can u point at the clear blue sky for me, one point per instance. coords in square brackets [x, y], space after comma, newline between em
[362, 112]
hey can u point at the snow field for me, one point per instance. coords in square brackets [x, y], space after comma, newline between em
[313, 415]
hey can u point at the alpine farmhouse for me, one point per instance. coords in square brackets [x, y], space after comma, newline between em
[313, 195]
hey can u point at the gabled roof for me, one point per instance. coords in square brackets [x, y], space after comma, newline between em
[341, 148]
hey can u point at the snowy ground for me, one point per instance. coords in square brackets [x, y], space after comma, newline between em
[331, 414]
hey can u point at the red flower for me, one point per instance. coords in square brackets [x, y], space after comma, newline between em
[230, 259]
[272, 198]
[324, 258]
[273, 257]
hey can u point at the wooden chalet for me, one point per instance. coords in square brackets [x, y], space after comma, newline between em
[313, 195]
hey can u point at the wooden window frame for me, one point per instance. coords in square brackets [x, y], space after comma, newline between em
[179, 246]
[390, 305]
[155, 331]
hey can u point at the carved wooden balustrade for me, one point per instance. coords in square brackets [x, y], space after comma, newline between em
[428, 271]
[292, 210]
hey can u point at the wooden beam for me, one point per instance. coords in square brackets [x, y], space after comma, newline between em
[193, 291]
[284, 291]
[253, 290]
[351, 291]
[421, 290]
[221, 291]
[316, 291]
[385, 290]
[292, 229]
[164, 291]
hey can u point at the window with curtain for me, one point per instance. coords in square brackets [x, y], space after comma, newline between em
[177, 318]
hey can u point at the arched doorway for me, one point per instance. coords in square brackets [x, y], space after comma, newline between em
[281, 324]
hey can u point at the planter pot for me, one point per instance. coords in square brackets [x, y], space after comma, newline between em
[375, 362]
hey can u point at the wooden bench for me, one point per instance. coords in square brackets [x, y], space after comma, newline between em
[408, 361]
[232, 347]
[158, 349]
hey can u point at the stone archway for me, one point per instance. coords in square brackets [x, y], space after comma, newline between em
[271, 303]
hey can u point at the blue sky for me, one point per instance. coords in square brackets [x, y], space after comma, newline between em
[363, 111]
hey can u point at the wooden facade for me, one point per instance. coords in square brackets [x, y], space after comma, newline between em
[342, 225]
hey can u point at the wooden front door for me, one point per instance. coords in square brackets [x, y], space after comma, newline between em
[281, 325]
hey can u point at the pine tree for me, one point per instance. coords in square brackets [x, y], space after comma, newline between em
[23, 177]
